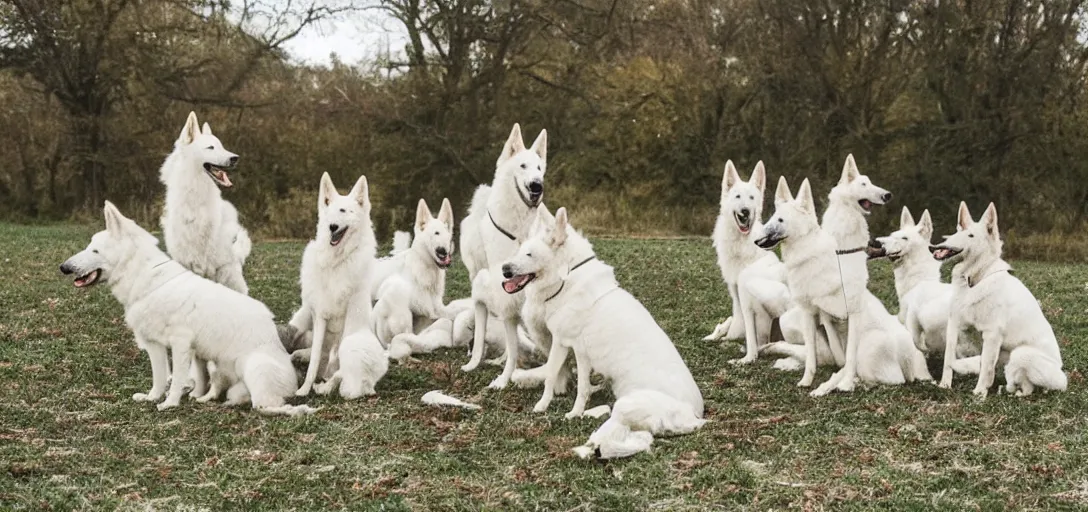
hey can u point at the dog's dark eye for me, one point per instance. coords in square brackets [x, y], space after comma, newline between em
[738, 196]
[343, 210]
[95, 251]
[751, 197]
[904, 238]
[780, 220]
[210, 147]
[971, 235]
[523, 166]
[529, 254]
[436, 232]
[538, 167]
[863, 184]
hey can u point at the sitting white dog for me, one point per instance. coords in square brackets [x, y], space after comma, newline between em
[611, 332]
[170, 307]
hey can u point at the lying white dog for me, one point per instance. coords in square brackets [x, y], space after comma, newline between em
[986, 296]
[363, 362]
[170, 307]
[611, 332]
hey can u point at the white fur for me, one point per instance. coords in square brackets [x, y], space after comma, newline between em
[826, 288]
[201, 228]
[171, 308]
[413, 296]
[987, 297]
[334, 278]
[363, 362]
[509, 204]
[610, 332]
[740, 216]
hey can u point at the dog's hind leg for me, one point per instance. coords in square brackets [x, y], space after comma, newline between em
[834, 341]
[160, 371]
[200, 376]
[853, 340]
[512, 346]
[330, 385]
[238, 394]
[991, 352]
[479, 338]
[183, 357]
[737, 326]
[316, 353]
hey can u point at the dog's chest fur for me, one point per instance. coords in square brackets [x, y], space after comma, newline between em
[196, 222]
[332, 277]
[735, 250]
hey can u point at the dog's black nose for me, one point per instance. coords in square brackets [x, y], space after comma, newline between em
[441, 252]
[536, 187]
[507, 271]
[745, 212]
[234, 159]
[875, 244]
[65, 269]
[333, 227]
[886, 197]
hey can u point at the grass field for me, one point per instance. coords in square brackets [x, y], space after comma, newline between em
[70, 437]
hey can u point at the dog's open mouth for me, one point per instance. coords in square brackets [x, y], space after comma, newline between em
[744, 221]
[769, 241]
[941, 252]
[218, 175]
[88, 279]
[516, 283]
[337, 236]
[876, 253]
[443, 260]
[866, 205]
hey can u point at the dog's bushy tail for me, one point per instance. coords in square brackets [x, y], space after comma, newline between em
[784, 348]
[402, 241]
[635, 419]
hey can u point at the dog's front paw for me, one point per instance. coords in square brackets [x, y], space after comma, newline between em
[542, 405]
[323, 388]
[805, 382]
[168, 404]
[150, 396]
[719, 330]
[303, 391]
[469, 366]
[980, 393]
[945, 383]
[822, 390]
[574, 413]
[744, 360]
[499, 383]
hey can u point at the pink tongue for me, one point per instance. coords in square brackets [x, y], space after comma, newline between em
[446, 260]
[511, 285]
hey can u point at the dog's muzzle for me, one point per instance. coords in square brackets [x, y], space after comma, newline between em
[769, 241]
[944, 252]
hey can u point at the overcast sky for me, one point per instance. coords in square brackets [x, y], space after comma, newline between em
[363, 37]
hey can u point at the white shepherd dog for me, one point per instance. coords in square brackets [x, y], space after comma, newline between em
[170, 308]
[987, 297]
[201, 228]
[335, 272]
[820, 290]
[611, 332]
[924, 301]
[411, 298]
[741, 213]
[498, 220]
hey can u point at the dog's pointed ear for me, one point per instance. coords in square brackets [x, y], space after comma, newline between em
[540, 147]
[361, 192]
[782, 194]
[906, 220]
[730, 178]
[514, 145]
[423, 214]
[989, 218]
[925, 225]
[328, 192]
[849, 170]
[445, 214]
[964, 219]
[207, 129]
[559, 234]
[804, 197]
[115, 222]
[190, 131]
[759, 178]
